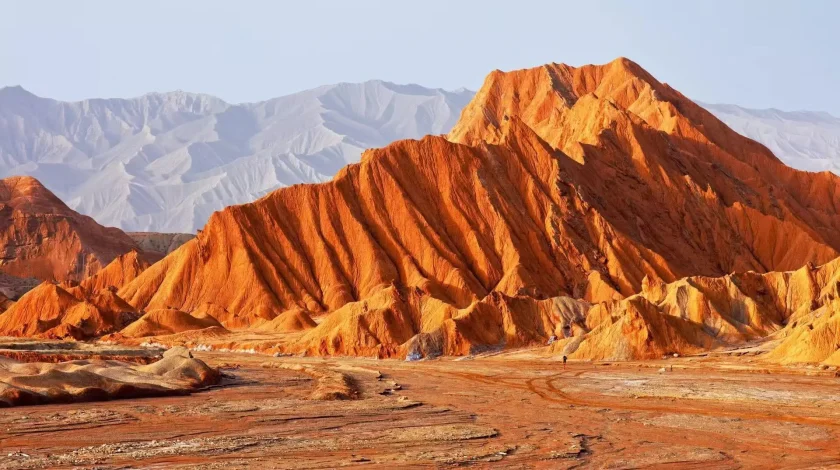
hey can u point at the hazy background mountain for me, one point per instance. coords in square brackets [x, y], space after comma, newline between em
[807, 140]
[165, 161]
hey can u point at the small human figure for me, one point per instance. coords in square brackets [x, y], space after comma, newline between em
[564, 362]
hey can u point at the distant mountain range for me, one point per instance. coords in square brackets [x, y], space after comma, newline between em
[164, 162]
[805, 140]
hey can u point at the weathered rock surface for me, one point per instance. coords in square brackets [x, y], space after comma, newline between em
[88, 380]
[56, 311]
[167, 322]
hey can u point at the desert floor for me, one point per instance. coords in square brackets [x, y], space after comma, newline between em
[511, 411]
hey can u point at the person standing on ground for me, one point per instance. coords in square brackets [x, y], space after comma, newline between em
[564, 362]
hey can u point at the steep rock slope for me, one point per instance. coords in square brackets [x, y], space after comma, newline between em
[164, 162]
[806, 140]
[43, 238]
[556, 181]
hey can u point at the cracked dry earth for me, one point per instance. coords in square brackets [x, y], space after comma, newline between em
[488, 412]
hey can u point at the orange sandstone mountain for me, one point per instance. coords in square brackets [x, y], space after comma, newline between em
[567, 202]
[556, 181]
[43, 238]
[655, 183]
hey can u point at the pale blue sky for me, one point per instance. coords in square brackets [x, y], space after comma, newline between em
[752, 53]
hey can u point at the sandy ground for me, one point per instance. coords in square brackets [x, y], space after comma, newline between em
[508, 411]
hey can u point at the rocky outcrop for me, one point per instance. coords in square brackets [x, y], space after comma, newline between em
[40, 237]
[177, 373]
[796, 308]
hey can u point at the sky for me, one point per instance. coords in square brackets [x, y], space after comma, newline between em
[758, 54]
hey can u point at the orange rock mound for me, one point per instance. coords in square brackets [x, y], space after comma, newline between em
[83, 310]
[54, 311]
[162, 322]
[289, 322]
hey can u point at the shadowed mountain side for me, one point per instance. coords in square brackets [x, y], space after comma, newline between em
[43, 238]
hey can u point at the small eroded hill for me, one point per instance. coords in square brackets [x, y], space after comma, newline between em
[83, 310]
